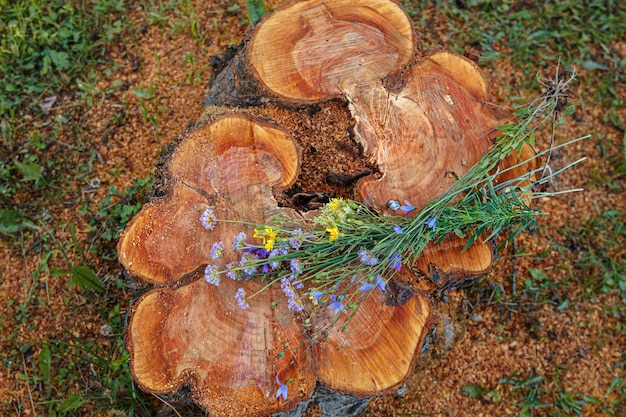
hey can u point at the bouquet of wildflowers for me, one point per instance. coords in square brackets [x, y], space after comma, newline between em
[349, 250]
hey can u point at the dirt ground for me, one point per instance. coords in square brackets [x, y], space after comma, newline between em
[577, 349]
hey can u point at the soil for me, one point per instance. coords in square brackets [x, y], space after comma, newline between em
[576, 346]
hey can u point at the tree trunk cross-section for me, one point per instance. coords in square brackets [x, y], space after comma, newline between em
[422, 119]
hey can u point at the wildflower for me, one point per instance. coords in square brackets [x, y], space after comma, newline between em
[335, 204]
[432, 223]
[282, 390]
[398, 230]
[380, 283]
[334, 233]
[239, 240]
[208, 219]
[274, 263]
[293, 301]
[240, 296]
[395, 262]
[366, 258]
[294, 264]
[294, 304]
[336, 304]
[231, 271]
[248, 263]
[408, 207]
[261, 253]
[217, 250]
[268, 235]
[211, 275]
[366, 286]
[297, 236]
[314, 296]
[287, 288]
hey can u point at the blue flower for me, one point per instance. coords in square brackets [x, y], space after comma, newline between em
[262, 253]
[232, 271]
[287, 288]
[381, 283]
[248, 263]
[336, 304]
[239, 240]
[276, 252]
[295, 266]
[398, 229]
[297, 236]
[395, 262]
[408, 207]
[294, 304]
[366, 286]
[366, 258]
[432, 223]
[211, 275]
[282, 390]
[208, 219]
[240, 296]
[217, 250]
[315, 296]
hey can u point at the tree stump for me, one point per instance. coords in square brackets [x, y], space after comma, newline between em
[421, 120]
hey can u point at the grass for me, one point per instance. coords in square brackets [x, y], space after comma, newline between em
[532, 394]
[50, 45]
[56, 52]
[574, 33]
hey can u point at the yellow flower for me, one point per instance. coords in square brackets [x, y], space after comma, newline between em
[268, 235]
[334, 233]
[271, 239]
[335, 204]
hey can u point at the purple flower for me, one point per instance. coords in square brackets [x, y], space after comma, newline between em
[240, 296]
[247, 263]
[293, 301]
[261, 253]
[274, 264]
[395, 262]
[336, 304]
[282, 390]
[366, 286]
[297, 236]
[315, 295]
[294, 264]
[408, 207]
[211, 275]
[366, 258]
[381, 283]
[239, 240]
[208, 219]
[294, 304]
[217, 250]
[432, 223]
[231, 271]
[274, 253]
[398, 229]
[287, 288]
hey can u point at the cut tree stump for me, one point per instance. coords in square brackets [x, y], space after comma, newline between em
[421, 118]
